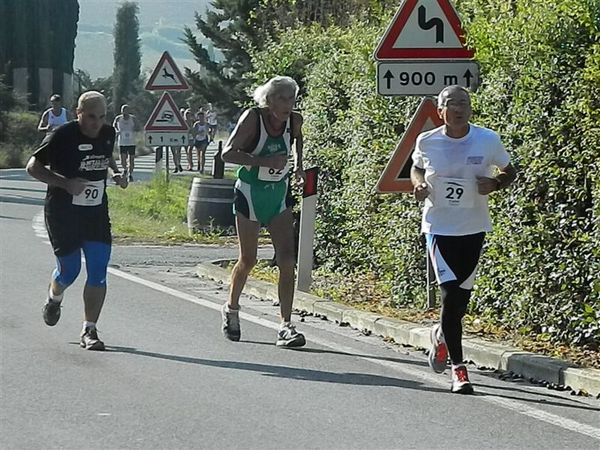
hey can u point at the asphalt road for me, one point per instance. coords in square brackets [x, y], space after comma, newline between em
[169, 380]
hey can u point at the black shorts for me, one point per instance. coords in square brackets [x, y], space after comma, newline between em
[67, 232]
[129, 149]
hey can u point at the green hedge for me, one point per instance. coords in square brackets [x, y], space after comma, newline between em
[541, 71]
[20, 140]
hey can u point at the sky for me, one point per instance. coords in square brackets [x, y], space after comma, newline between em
[159, 22]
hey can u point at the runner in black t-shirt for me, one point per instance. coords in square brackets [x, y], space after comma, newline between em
[79, 154]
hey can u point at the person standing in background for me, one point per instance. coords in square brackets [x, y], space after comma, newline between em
[125, 126]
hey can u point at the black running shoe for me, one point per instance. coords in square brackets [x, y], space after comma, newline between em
[51, 312]
[90, 341]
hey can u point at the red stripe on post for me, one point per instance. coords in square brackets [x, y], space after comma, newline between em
[310, 185]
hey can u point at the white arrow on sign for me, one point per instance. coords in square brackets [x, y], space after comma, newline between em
[425, 77]
[157, 139]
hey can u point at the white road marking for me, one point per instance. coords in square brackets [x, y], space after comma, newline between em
[521, 408]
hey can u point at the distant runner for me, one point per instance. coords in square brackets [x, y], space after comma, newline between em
[54, 116]
[125, 125]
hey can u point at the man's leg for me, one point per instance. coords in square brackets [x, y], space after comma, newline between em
[97, 255]
[123, 157]
[247, 232]
[131, 163]
[66, 271]
[248, 238]
[281, 229]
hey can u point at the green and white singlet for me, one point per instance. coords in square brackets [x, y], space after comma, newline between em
[262, 193]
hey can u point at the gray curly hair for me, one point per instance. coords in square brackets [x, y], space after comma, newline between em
[273, 86]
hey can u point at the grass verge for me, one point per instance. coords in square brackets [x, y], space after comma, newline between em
[156, 212]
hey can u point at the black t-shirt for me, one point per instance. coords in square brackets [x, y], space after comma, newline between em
[71, 154]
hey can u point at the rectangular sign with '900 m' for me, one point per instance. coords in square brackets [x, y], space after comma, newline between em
[396, 78]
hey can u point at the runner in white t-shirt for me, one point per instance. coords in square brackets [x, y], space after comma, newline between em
[126, 126]
[454, 169]
[211, 120]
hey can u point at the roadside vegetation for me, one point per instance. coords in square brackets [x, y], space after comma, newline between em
[156, 212]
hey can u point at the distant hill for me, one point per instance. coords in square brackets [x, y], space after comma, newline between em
[161, 26]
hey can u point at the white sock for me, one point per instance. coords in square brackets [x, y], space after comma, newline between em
[53, 297]
[284, 325]
[91, 325]
[228, 309]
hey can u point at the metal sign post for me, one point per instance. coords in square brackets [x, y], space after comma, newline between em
[422, 51]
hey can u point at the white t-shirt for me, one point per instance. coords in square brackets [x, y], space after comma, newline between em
[454, 207]
[211, 118]
[125, 130]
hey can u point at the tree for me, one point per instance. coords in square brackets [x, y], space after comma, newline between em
[127, 54]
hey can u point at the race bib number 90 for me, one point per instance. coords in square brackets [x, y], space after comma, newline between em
[454, 193]
[92, 194]
[273, 175]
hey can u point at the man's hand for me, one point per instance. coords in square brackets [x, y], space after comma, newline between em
[300, 175]
[75, 186]
[277, 162]
[421, 191]
[486, 185]
[121, 180]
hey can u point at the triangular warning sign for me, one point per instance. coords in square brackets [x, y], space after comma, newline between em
[396, 175]
[166, 76]
[166, 116]
[424, 29]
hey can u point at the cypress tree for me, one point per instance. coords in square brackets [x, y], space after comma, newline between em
[127, 54]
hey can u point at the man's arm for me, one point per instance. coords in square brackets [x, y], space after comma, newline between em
[116, 174]
[37, 170]
[504, 178]
[241, 138]
[43, 125]
[417, 178]
[298, 140]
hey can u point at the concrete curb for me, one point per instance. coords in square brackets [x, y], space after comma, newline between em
[481, 352]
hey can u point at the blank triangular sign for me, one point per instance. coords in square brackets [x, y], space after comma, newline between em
[424, 29]
[166, 76]
[166, 116]
[396, 175]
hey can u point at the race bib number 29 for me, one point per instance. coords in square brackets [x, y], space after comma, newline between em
[92, 195]
[274, 175]
[455, 193]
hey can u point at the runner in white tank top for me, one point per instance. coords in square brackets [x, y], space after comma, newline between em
[125, 126]
[53, 117]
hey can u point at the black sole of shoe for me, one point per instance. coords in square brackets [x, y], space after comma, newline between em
[99, 347]
[465, 390]
[292, 344]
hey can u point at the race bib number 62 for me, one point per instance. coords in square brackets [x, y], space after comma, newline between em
[92, 195]
[270, 174]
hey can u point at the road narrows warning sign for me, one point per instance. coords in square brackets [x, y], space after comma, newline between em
[396, 175]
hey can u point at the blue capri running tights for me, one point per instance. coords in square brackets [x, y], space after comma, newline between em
[97, 255]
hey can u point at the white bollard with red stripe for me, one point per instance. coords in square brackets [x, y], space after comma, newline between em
[307, 231]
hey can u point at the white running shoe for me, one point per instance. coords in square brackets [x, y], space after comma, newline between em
[460, 381]
[438, 354]
[289, 337]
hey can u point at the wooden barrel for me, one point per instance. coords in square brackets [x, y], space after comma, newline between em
[210, 202]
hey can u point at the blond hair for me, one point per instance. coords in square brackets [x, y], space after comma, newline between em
[88, 98]
[273, 86]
